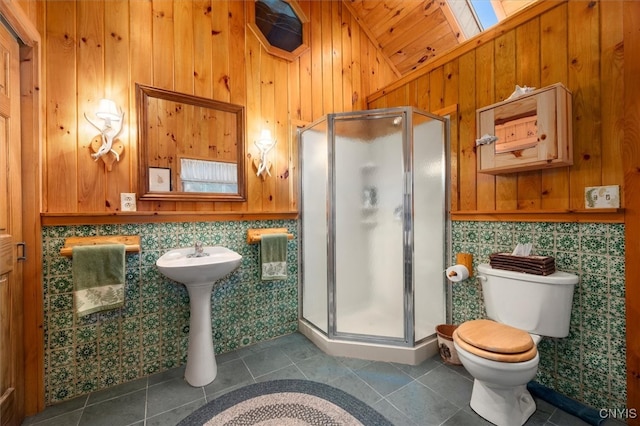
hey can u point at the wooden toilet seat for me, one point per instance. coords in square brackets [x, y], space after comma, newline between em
[494, 341]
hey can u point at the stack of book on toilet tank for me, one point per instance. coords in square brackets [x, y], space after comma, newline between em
[538, 265]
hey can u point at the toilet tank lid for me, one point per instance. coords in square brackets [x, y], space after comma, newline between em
[558, 277]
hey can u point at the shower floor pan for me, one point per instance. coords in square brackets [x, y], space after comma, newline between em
[370, 351]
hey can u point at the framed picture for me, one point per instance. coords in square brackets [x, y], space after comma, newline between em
[159, 179]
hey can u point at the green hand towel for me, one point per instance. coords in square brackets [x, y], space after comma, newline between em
[273, 256]
[98, 277]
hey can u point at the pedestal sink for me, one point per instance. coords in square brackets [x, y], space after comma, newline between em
[198, 272]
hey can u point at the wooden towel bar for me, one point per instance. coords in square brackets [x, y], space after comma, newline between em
[131, 242]
[254, 235]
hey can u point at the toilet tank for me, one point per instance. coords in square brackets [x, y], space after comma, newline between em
[538, 304]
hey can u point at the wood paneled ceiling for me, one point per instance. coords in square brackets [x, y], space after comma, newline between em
[410, 32]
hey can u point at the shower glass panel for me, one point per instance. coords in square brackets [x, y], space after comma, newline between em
[373, 225]
[314, 161]
[429, 222]
[368, 200]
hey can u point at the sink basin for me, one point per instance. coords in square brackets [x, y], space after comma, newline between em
[199, 274]
[177, 265]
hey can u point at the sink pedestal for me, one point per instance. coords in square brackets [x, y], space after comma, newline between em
[198, 272]
[201, 362]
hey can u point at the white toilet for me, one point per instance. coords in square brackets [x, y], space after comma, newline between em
[501, 352]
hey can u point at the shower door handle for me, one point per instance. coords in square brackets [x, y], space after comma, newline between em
[397, 212]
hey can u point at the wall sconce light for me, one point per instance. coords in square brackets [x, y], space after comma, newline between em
[264, 145]
[106, 146]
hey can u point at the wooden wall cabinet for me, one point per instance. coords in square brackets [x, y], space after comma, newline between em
[533, 130]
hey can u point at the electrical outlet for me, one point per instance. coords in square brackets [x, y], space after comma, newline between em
[602, 197]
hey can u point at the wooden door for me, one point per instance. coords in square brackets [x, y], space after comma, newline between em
[11, 317]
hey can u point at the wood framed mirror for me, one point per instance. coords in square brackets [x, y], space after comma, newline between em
[191, 147]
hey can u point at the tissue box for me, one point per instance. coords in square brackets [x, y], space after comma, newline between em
[537, 265]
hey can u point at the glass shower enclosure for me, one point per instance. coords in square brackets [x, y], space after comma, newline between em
[374, 225]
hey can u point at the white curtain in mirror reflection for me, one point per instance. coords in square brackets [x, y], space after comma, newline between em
[208, 176]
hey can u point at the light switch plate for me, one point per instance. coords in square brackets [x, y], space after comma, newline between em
[602, 197]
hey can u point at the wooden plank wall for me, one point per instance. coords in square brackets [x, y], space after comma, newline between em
[101, 48]
[578, 44]
[30, 9]
[631, 155]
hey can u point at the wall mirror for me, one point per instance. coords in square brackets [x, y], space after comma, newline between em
[190, 148]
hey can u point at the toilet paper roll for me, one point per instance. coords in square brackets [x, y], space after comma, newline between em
[457, 273]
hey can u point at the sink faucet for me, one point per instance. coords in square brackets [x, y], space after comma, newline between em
[199, 250]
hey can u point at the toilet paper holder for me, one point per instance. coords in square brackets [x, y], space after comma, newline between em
[465, 259]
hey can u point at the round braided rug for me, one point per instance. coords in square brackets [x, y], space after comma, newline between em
[285, 402]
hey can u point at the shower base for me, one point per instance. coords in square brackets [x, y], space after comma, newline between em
[377, 322]
[370, 351]
[369, 320]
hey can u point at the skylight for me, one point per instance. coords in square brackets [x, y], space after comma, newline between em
[485, 13]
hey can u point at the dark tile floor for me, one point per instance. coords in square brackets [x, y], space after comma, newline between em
[431, 393]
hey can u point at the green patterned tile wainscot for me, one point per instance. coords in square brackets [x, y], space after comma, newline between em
[150, 333]
[589, 365]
